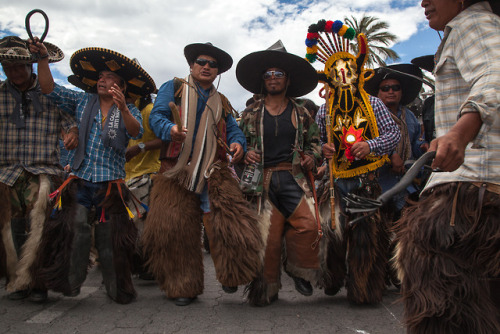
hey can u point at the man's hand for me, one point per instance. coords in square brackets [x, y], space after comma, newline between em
[118, 97]
[176, 135]
[360, 149]
[238, 152]
[450, 152]
[252, 157]
[131, 152]
[398, 165]
[36, 47]
[321, 172]
[307, 163]
[328, 150]
[70, 139]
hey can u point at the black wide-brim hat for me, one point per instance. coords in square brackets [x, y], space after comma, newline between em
[424, 62]
[14, 49]
[224, 60]
[87, 63]
[410, 86]
[303, 77]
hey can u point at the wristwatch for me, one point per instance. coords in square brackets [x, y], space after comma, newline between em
[142, 146]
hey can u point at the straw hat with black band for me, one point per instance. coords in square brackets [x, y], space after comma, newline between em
[410, 87]
[15, 50]
[224, 60]
[87, 63]
[303, 77]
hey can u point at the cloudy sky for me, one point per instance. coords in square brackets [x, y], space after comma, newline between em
[156, 31]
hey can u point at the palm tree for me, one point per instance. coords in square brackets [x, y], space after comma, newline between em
[378, 39]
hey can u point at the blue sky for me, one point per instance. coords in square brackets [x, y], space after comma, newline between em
[156, 31]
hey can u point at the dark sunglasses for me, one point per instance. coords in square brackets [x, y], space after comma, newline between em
[203, 62]
[386, 88]
[277, 74]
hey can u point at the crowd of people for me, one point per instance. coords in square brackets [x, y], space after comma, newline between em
[142, 181]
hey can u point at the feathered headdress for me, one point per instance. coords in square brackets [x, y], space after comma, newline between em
[350, 118]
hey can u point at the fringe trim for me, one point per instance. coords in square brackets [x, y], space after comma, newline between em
[29, 250]
[261, 293]
[361, 170]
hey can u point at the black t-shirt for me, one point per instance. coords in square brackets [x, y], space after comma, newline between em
[279, 137]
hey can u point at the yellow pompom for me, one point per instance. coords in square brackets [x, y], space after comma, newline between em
[343, 30]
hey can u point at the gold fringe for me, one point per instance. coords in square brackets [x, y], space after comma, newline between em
[361, 170]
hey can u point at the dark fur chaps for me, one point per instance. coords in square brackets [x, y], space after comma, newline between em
[233, 228]
[444, 268]
[172, 238]
[53, 259]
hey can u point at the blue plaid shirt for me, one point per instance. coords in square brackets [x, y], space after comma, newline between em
[101, 163]
[389, 134]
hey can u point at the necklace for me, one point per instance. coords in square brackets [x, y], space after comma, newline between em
[281, 109]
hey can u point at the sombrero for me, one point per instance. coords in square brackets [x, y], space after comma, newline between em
[410, 86]
[303, 77]
[14, 49]
[424, 62]
[87, 63]
[192, 51]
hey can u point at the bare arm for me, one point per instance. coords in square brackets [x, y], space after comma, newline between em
[44, 75]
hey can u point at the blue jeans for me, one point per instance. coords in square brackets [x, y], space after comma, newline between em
[90, 195]
[284, 192]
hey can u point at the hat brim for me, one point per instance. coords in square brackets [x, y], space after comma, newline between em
[55, 55]
[424, 62]
[87, 63]
[410, 86]
[224, 60]
[303, 77]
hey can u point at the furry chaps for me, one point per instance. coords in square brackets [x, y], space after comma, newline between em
[233, 229]
[444, 267]
[172, 238]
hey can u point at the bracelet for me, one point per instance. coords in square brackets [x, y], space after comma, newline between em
[43, 56]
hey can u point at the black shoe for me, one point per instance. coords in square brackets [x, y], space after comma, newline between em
[38, 296]
[229, 289]
[75, 292]
[18, 295]
[331, 291]
[146, 276]
[184, 301]
[303, 286]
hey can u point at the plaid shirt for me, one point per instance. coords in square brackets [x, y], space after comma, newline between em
[101, 163]
[35, 148]
[389, 134]
[468, 80]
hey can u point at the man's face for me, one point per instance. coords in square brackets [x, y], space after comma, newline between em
[390, 92]
[274, 81]
[203, 69]
[106, 80]
[440, 12]
[19, 74]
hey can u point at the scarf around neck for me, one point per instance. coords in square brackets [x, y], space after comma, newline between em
[113, 133]
[204, 146]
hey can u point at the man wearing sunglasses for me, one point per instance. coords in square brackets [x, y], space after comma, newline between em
[397, 86]
[278, 131]
[200, 138]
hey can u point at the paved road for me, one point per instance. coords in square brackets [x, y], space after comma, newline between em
[213, 312]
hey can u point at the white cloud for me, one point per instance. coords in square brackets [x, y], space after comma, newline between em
[155, 32]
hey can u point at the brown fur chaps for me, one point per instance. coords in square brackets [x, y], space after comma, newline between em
[444, 268]
[233, 228]
[172, 238]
